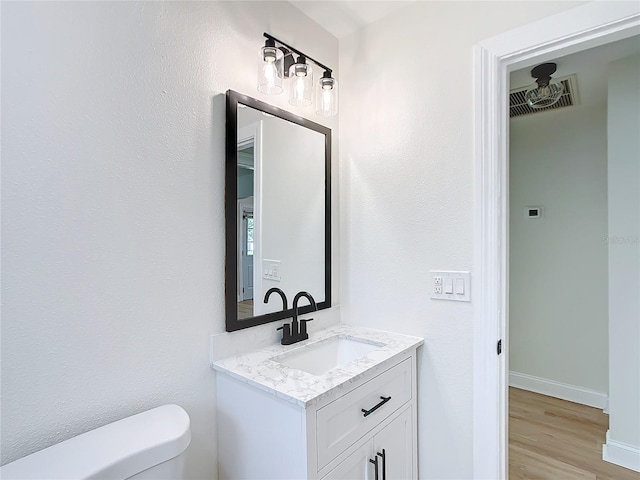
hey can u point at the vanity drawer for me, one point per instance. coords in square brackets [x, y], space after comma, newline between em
[342, 422]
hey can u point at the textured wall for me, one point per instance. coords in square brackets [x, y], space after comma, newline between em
[112, 206]
[558, 301]
[406, 144]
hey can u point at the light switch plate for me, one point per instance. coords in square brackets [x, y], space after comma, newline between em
[271, 270]
[453, 282]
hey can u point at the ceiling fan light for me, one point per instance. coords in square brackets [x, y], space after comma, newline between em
[543, 96]
[544, 93]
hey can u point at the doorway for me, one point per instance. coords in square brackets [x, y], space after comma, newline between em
[245, 234]
[584, 27]
[558, 274]
[248, 215]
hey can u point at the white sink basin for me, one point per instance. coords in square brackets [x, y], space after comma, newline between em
[320, 357]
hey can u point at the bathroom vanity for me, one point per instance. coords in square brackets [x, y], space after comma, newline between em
[341, 405]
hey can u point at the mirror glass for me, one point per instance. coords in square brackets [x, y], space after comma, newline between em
[278, 211]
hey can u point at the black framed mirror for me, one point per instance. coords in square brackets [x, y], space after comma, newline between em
[277, 211]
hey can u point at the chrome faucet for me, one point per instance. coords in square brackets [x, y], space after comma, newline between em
[297, 331]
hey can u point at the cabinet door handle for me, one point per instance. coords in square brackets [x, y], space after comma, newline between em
[374, 408]
[384, 463]
[375, 463]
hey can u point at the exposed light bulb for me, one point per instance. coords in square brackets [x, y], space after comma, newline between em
[543, 96]
[327, 100]
[270, 73]
[299, 88]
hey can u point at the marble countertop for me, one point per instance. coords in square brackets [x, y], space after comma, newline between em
[258, 369]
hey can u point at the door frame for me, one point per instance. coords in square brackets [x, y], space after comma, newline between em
[244, 206]
[580, 28]
[252, 133]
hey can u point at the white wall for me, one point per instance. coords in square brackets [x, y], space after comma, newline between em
[558, 301]
[113, 206]
[624, 254]
[406, 143]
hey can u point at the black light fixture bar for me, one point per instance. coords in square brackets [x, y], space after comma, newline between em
[295, 50]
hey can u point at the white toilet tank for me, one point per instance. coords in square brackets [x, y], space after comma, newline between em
[149, 445]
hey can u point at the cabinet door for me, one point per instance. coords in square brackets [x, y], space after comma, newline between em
[355, 467]
[396, 441]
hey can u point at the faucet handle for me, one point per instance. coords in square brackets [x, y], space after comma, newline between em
[286, 333]
[303, 328]
[286, 330]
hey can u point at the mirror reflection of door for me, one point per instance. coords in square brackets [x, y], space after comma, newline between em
[247, 253]
[246, 224]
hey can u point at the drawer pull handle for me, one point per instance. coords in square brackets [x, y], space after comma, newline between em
[384, 463]
[373, 409]
[375, 464]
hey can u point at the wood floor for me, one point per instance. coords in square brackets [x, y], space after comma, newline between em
[554, 439]
[245, 309]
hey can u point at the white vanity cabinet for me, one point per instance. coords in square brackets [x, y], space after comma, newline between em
[391, 452]
[263, 435]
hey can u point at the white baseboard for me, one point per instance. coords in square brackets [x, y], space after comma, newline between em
[623, 454]
[564, 391]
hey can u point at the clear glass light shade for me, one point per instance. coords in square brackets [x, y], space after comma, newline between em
[544, 96]
[327, 97]
[270, 74]
[300, 85]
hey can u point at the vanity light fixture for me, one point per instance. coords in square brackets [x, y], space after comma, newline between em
[545, 92]
[277, 63]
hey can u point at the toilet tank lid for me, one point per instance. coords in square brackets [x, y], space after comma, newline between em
[117, 450]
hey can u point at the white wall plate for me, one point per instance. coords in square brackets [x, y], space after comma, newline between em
[450, 285]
